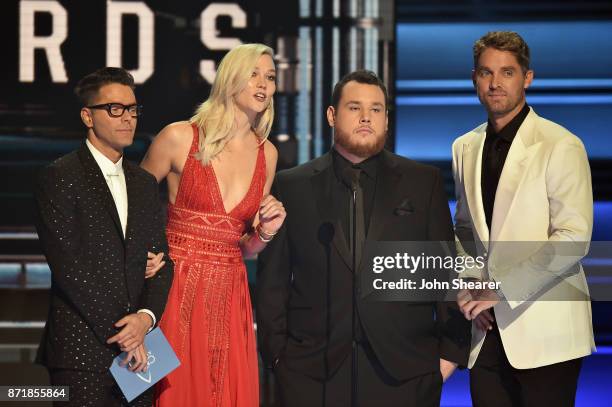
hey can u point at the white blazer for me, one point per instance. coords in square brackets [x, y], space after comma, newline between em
[543, 197]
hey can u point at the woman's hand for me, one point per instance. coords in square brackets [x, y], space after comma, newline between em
[154, 264]
[271, 215]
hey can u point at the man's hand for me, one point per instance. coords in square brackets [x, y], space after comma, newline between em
[139, 356]
[154, 263]
[135, 327]
[473, 302]
[484, 321]
[447, 368]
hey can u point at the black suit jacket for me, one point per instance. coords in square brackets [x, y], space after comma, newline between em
[305, 282]
[97, 275]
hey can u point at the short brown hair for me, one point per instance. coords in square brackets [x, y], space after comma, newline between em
[359, 76]
[88, 87]
[503, 41]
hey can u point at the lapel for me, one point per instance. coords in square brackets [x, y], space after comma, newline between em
[133, 192]
[386, 198]
[322, 182]
[95, 179]
[520, 156]
[472, 168]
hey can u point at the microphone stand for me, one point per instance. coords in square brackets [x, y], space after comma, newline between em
[351, 178]
[355, 350]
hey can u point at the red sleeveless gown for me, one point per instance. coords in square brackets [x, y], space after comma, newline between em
[208, 319]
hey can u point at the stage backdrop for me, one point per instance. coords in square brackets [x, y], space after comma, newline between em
[171, 48]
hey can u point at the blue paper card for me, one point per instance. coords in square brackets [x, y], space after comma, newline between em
[161, 361]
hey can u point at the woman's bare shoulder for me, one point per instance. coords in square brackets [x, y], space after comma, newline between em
[270, 150]
[175, 134]
[271, 154]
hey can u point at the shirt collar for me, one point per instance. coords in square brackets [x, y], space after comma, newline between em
[367, 166]
[508, 132]
[106, 165]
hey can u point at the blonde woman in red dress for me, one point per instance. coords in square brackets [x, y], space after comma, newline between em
[219, 166]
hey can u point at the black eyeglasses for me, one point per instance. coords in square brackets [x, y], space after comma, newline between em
[117, 109]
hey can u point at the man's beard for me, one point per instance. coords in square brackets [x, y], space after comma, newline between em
[361, 147]
[501, 109]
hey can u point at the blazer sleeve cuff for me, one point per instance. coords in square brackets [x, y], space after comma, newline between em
[453, 352]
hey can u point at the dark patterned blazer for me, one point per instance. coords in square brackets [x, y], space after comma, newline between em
[97, 275]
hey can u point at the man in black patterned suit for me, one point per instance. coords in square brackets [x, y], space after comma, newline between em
[99, 215]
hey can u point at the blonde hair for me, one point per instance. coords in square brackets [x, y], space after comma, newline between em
[216, 115]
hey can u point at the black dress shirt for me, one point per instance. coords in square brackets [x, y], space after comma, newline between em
[494, 155]
[342, 197]
[342, 193]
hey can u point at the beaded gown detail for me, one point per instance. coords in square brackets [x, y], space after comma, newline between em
[208, 319]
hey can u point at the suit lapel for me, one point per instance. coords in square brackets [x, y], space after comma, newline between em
[322, 184]
[133, 193]
[472, 169]
[519, 158]
[96, 179]
[386, 198]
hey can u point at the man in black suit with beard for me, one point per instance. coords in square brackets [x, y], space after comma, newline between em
[99, 216]
[327, 346]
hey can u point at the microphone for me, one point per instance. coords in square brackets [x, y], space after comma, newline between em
[350, 177]
[326, 234]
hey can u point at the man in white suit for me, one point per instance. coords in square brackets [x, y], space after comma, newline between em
[522, 178]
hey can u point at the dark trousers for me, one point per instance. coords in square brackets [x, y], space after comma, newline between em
[93, 389]
[375, 388]
[495, 383]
